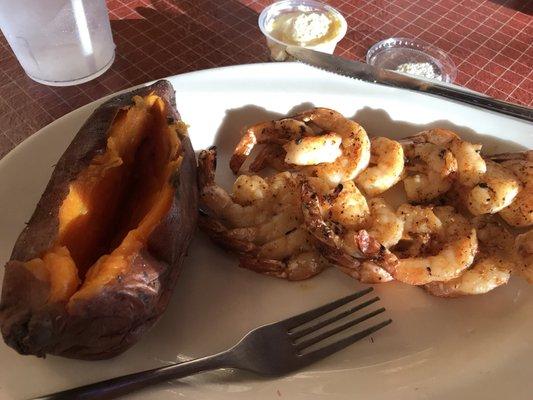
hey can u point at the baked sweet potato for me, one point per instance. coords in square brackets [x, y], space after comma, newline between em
[96, 264]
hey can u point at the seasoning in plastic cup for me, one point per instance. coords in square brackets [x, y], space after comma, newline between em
[304, 23]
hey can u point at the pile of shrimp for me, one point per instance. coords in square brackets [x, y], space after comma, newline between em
[464, 227]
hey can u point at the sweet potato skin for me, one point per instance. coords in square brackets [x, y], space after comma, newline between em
[110, 322]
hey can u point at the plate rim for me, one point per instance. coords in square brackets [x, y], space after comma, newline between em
[96, 102]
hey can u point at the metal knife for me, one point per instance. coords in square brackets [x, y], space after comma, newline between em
[369, 73]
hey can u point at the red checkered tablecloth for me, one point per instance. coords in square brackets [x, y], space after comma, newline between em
[491, 42]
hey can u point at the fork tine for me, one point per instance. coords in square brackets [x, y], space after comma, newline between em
[322, 336]
[341, 344]
[307, 316]
[303, 332]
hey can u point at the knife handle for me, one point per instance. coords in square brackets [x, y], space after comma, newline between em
[487, 103]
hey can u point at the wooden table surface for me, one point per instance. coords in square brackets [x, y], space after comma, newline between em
[490, 41]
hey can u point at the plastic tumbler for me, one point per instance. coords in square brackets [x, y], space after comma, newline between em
[59, 42]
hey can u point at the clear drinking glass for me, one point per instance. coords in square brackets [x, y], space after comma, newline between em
[59, 42]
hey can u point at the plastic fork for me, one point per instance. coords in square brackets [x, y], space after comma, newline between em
[274, 349]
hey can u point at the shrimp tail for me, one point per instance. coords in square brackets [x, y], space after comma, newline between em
[330, 244]
[264, 266]
[207, 165]
[326, 240]
[293, 269]
[271, 155]
[520, 155]
[243, 149]
[375, 251]
[219, 234]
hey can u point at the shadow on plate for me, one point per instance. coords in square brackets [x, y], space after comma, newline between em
[237, 119]
[377, 122]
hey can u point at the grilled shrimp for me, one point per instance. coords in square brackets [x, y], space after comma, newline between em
[290, 256]
[320, 142]
[349, 208]
[216, 199]
[355, 146]
[312, 150]
[496, 189]
[306, 150]
[386, 166]
[301, 261]
[261, 222]
[384, 224]
[298, 267]
[367, 272]
[419, 222]
[278, 225]
[470, 164]
[271, 155]
[492, 264]
[248, 189]
[386, 227]
[524, 251]
[291, 242]
[255, 200]
[526, 155]
[447, 247]
[248, 212]
[279, 131]
[344, 247]
[520, 211]
[272, 194]
[430, 171]
[487, 273]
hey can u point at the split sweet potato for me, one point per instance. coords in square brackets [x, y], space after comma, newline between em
[96, 264]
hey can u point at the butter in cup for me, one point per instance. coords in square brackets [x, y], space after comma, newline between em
[304, 23]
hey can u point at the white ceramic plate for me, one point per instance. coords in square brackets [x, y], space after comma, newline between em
[476, 348]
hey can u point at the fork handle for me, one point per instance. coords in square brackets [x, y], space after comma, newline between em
[112, 388]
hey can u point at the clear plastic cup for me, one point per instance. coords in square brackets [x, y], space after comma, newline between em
[277, 47]
[396, 52]
[59, 42]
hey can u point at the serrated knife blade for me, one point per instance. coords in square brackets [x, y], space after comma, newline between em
[369, 73]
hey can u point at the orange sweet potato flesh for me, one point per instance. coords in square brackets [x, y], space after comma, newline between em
[123, 210]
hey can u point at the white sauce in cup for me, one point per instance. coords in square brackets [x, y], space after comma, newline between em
[311, 24]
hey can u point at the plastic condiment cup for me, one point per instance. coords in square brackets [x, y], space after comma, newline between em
[277, 47]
